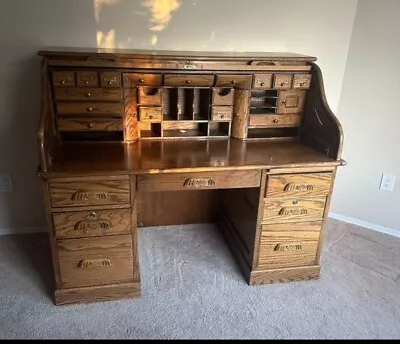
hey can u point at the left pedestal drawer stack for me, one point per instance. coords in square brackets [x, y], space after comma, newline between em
[94, 238]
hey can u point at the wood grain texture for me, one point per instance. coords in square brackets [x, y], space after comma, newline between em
[288, 245]
[177, 208]
[188, 80]
[304, 273]
[90, 223]
[298, 185]
[131, 127]
[85, 94]
[134, 231]
[194, 181]
[97, 293]
[150, 114]
[288, 210]
[81, 192]
[93, 124]
[240, 114]
[95, 261]
[90, 108]
[87, 79]
[274, 121]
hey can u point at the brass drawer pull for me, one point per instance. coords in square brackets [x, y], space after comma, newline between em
[110, 82]
[141, 81]
[93, 263]
[275, 121]
[86, 82]
[88, 94]
[63, 82]
[262, 83]
[302, 83]
[293, 211]
[233, 82]
[298, 187]
[283, 84]
[89, 196]
[188, 82]
[92, 225]
[89, 109]
[199, 182]
[92, 215]
[289, 247]
[91, 125]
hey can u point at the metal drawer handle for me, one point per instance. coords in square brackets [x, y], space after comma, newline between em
[86, 225]
[298, 187]
[88, 94]
[90, 109]
[289, 247]
[91, 125]
[293, 211]
[89, 196]
[302, 83]
[93, 263]
[63, 82]
[275, 121]
[199, 182]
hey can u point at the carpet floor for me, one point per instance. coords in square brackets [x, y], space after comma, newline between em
[193, 289]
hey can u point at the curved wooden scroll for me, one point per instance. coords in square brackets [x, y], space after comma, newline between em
[289, 247]
[293, 211]
[94, 263]
[89, 196]
[199, 182]
[92, 225]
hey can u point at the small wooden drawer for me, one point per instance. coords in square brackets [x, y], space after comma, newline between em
[302, 81]
[298, 185]
[87, 79]
[90, 193]
[262, 81]
[95, 261]
[188, 80]
[141, 79]
[150, 114]
[275, 121]
[288, 245]
[236, 81]
[88, 108]
[63, 79]
[293, 210]
[85, 94]
[110, 79]
[282, 81]
[221, 113]
[78, 224]
[198, 181]
[92, 124]
[223, 96]
[150, 96]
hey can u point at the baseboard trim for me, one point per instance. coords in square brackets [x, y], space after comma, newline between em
[369, 225]
[22, 230]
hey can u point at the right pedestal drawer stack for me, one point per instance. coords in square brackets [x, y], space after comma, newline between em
[292, 218]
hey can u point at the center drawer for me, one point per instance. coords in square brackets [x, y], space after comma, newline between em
[78, 224]
[90, 193]
[95, 261]
[200, 180]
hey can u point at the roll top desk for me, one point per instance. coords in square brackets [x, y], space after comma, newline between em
[132, 139]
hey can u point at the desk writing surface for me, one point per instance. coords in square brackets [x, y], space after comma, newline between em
[153, 156]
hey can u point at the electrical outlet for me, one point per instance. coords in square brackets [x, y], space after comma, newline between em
[5, 183]
[387, 182]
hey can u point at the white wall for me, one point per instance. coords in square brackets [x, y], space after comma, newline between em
[315, 27]
[369, 111]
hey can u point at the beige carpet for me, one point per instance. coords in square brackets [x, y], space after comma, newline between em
[192, 288]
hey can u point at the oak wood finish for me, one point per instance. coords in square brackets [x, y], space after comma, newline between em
[131, 139]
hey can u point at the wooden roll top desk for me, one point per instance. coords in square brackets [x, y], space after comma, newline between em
[132, 139]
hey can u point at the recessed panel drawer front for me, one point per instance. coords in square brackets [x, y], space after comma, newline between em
[236, 81]
[221, 113]
[188, 80]
[141, 79]
[288, 245]
[90, 193]
[263, 81]
[78, 224]
[283, 81]
[198, 181]
[87, 79]
[298, 185]
[293, 210]
[275, 121]
[110, 79]
[95, 261]
[88, 94]
[302, 81]
[89, 124]
[63, 79]
[90, 108]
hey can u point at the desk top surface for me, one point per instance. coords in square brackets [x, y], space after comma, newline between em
[155, 156]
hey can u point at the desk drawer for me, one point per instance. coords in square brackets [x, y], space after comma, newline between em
[298, 185]
[78, 224]
[87, 79]
[293, 210]
[141, 79]
[236, 81]
[221, 113]
[63, 78]
[200, 180]
[95, 261]
[90, 193]
[90, 108]
[288, 245]
[150, 114]
[85, 94]
[188, 80]
[89, 124]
